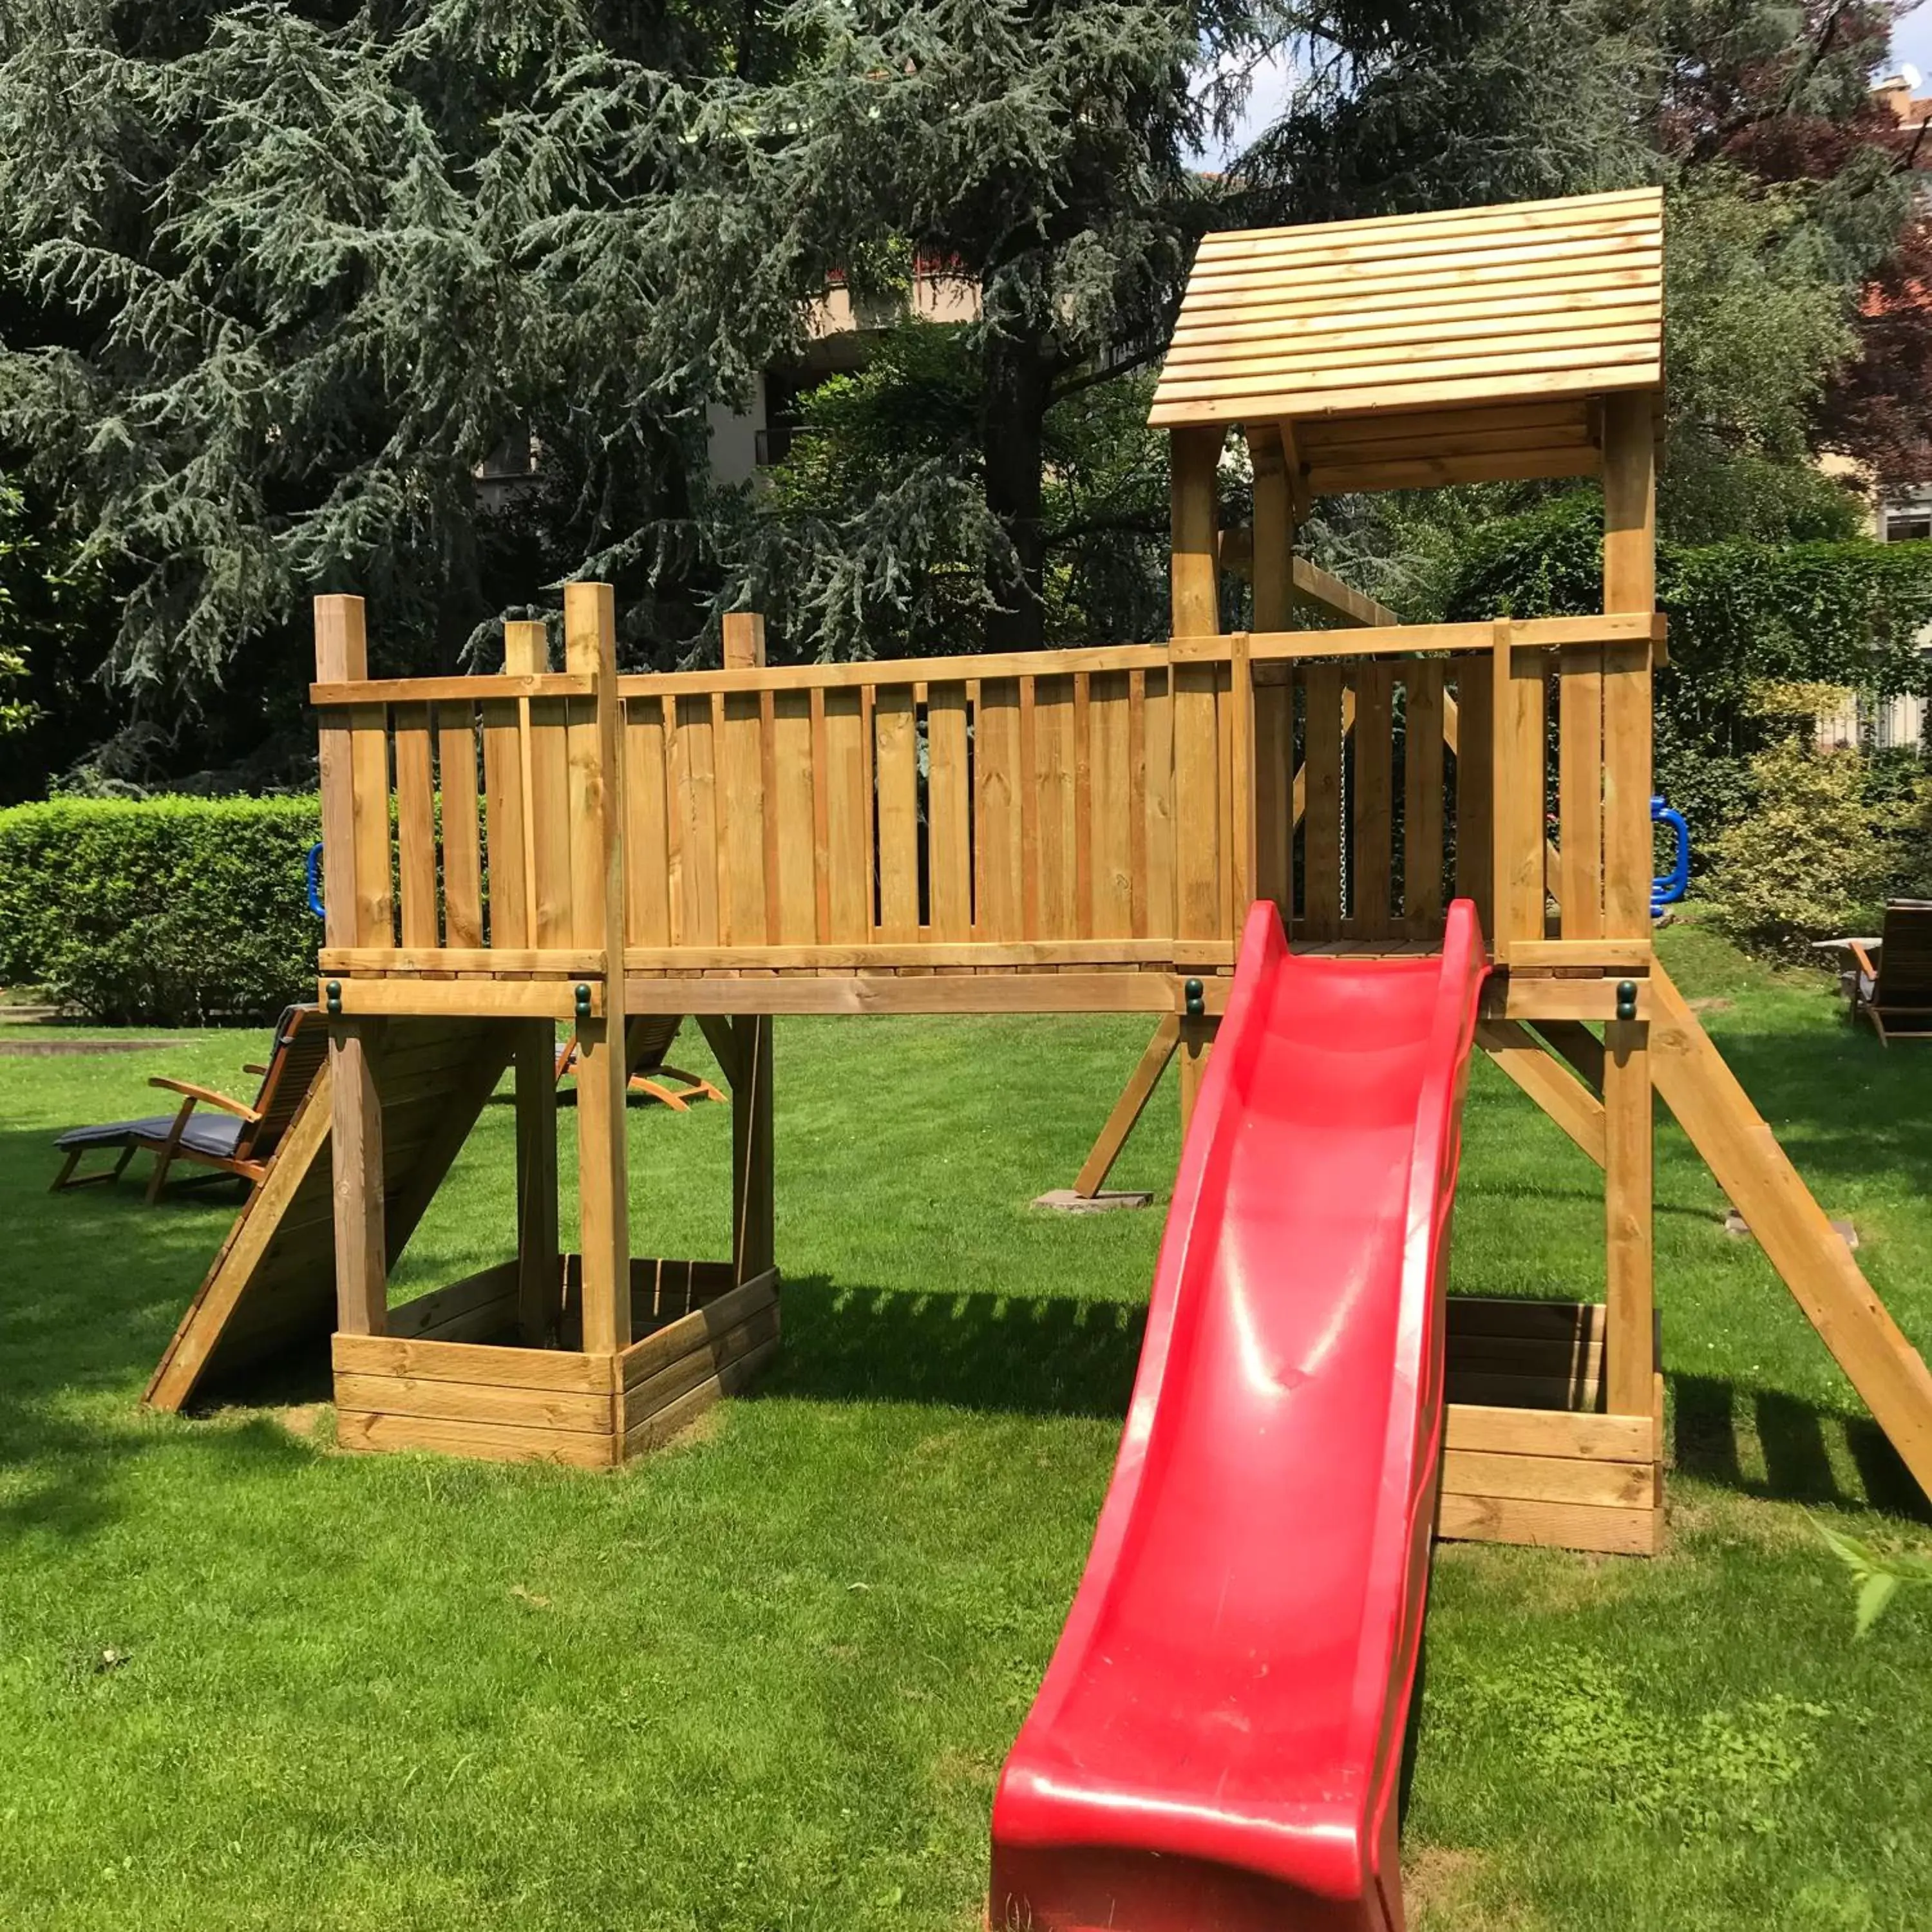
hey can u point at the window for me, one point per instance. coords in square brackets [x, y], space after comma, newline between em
[1908, 522]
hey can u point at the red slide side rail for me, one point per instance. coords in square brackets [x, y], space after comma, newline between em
[1217, 1743]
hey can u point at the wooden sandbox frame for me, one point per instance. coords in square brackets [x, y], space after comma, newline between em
[1073, 831]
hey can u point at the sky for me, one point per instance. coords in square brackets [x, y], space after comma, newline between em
[1911, 43]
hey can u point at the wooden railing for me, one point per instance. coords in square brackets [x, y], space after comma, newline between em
[1115, 808]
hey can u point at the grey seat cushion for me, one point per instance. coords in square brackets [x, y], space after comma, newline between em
[215, 1134]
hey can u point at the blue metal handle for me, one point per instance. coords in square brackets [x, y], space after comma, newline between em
[1669, 889]
[315, 879]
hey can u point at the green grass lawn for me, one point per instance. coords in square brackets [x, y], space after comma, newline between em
[766, 1679]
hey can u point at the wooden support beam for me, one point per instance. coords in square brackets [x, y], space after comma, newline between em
[753, 1202]
[356, 1145]
[1629, 1337]
[721, 1036]
[1273, 537]
[341, 656]
[539, 1252]
[1196, 1036]
[1798, 1239]
[590, 646]
[1575, 1043]
[1196, 456]
[1326, 592]
[744, 639]
[1128, 1108]
[1630, 586]
[1547, 1082]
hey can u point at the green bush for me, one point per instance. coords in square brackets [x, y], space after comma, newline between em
[1846, 612]
[167, 911]
[1829, 836]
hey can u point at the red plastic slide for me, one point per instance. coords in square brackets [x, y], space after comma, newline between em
[1217, 1745]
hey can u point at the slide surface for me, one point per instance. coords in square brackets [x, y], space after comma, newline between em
[1218, 1742]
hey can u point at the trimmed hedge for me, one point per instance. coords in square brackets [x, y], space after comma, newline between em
[163, 911]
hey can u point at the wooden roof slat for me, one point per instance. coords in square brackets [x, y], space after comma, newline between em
[1578, 267]
[1569, 325]
[1563, 210]
[1609, 239]
[1416, 313]
[1436, 305]
[1411, 362]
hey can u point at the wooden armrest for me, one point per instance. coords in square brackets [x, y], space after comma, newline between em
[1864, 958]
[207, 1093]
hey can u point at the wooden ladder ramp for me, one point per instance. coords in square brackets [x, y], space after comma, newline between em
[272, 1286]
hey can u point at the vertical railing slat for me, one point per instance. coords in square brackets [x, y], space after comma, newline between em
[743, 807]
[646, 834]
[1422, 803]
[948, 826]
[791, 811]
[462, 847]
[1518, 757]
[1111, 805]
[1321, 814]
[1374, 798]
[895, 752]
[1579, 790]
[1200, 880]
[1055, 849]
[999, 821]
[1475, 739]
[695, 793]
[415, 826]
[1273, 789]
[848, 819]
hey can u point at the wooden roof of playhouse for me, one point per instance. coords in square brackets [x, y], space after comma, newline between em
[1466, 346]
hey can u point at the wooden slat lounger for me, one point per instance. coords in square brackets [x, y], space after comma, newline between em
[239, 1144]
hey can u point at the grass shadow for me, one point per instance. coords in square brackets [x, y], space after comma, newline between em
[1001, 1354]
[1718, 1423]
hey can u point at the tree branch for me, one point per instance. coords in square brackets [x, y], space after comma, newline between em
[1143, 524]
[1094, 377]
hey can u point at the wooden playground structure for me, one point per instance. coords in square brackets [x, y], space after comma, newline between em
[1076, 830]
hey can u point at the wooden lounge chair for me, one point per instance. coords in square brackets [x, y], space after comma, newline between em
[1890, 983]
[646, 1042]
[240, 1144]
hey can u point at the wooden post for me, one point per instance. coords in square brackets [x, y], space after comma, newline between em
[744, 639]
[355, 1119]
[1629, 583]
[1196, 457]
[1195, 454]
[1197, 1035]
[1272, 706]
[754, 1230]
[590, 648]
[1630, 1348]
[525, 653]
[539, 1266]
[754, 1203]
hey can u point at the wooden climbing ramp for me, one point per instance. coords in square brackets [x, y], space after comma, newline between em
[272, 1286]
